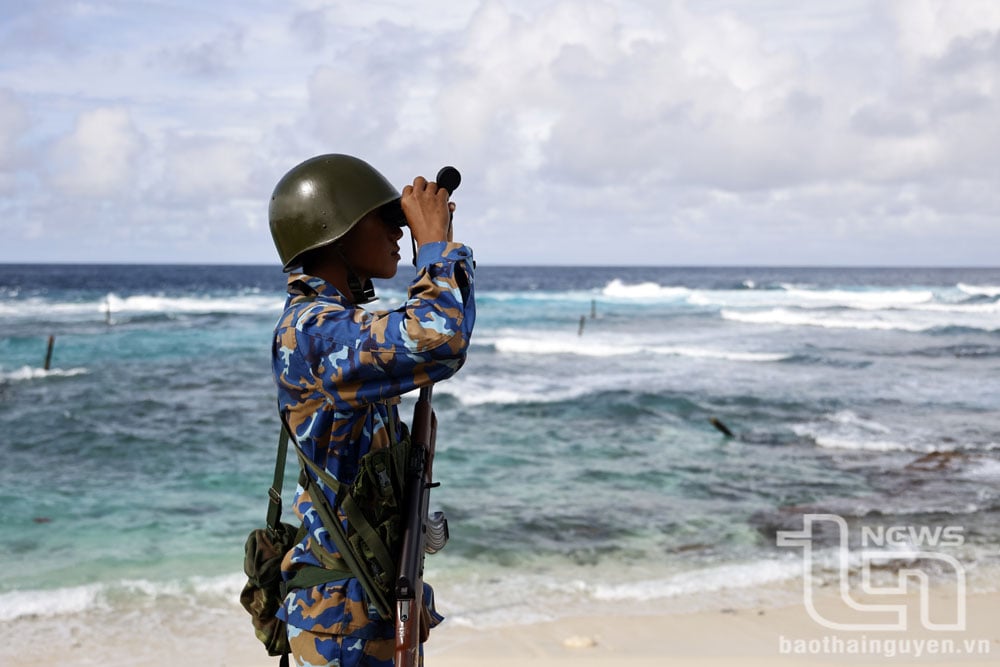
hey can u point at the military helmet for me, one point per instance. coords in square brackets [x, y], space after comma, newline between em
[320, 200]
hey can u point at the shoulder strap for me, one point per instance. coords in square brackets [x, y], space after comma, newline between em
[274, 493]
[330, 521]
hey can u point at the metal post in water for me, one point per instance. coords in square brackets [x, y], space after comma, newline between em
[48, 354]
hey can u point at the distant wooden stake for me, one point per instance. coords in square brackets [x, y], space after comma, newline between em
[48, 354]
[722, 427]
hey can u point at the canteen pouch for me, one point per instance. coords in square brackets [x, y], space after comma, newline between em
[264, 591]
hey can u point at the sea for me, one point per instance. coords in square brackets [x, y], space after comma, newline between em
[582, 453]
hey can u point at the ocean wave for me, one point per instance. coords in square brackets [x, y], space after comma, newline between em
[815, 299]
[961, 351]
[471, 390]
[617, 289]
[846, 429]
[835, 442]
[113, 305]
[608, 349]
[90, 597]
[31, 373]
[863, 300]
[987, 469]
[706, 580]
[786, 317]
[243, 304]
[915, 322]
[59, 601]
[979, 290]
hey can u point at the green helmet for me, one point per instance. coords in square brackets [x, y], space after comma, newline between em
[320, 200]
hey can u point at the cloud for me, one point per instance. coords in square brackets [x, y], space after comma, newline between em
[100, 157]
[613, 132]
[14, 122]
[210, 57]
[202, 168]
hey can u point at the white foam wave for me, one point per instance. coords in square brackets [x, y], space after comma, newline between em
[72, 600]
[616, 289]
[979, 290]
[90, 597]
[196, 305]
[847, 430]
[785, 317]
[962, 308]
[834, 442]
[802, 298]
[588, 348]
[707, 580]
[850, 418]
[727, 355]
[141, 304]
[470, 390]
[30, 373]
[496, 597]
[984, 469]
[862, 300]
[563, 346]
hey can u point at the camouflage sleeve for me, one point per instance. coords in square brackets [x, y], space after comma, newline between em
[350, 357]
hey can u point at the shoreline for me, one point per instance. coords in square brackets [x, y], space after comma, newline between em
[758, 629]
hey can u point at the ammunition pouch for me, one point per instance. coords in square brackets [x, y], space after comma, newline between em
[374, 509]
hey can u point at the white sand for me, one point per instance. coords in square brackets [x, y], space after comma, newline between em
[745, 637]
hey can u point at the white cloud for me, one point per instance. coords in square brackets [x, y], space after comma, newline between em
[202, 169]
[100, 157]
[616, 132]
[13, 123]
[929, 28]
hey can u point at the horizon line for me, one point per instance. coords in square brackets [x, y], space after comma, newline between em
[531, 265]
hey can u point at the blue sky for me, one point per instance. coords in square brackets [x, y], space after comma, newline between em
[835, 132]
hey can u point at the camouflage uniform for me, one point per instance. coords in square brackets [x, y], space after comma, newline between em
[340, 371]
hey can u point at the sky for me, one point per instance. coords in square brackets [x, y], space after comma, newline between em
[588, 132]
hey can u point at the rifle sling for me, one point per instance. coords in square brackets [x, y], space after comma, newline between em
[348, 564]
[339, 537]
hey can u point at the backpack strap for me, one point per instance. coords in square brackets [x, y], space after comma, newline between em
[274, 493]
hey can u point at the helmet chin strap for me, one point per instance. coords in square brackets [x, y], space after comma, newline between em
[361, 293]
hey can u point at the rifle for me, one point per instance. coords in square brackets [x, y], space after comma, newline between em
[422, 534]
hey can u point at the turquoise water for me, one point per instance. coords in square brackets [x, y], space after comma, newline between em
[580, 464]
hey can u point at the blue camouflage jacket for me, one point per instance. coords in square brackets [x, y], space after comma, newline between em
[339, 371]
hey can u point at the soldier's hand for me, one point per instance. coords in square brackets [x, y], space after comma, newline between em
[427, 210]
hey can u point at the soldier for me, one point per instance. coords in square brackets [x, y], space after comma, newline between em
[340, 370]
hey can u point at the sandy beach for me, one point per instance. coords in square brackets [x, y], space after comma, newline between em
[754, 635]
